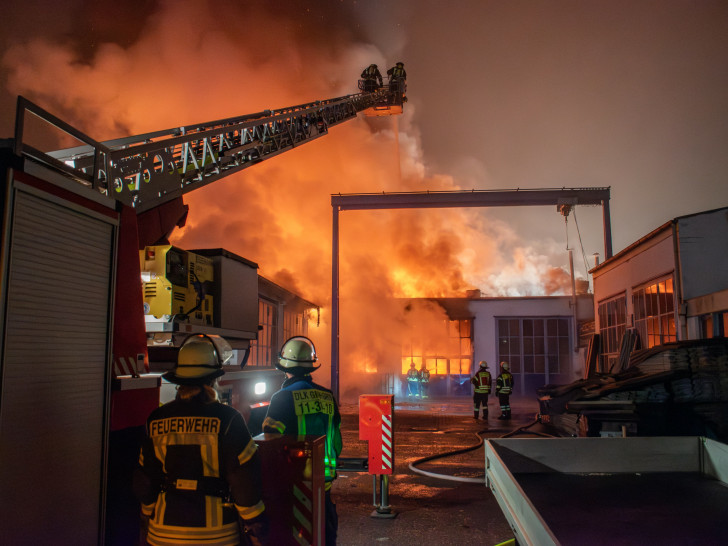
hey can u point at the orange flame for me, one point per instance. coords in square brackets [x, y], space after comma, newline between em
[190, 66]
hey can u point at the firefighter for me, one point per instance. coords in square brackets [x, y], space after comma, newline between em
[424, 378]
[396, 73]
[302, 407]
[504, 388]
[413, 382]
[199, 475]
[482, 383]
[372, 78]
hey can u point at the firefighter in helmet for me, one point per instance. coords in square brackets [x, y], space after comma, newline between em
[504, 388]
[372, 78]
[397, 72]
[413, 382]
[198, 476]
[397, 76]
[424, 377]
[482, 383]
[302, 407]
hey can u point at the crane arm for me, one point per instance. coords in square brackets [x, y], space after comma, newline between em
[145, 171]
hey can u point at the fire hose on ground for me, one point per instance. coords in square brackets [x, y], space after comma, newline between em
[481, 440]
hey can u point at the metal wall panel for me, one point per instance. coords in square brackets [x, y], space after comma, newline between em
[53, 405]
[703, 245]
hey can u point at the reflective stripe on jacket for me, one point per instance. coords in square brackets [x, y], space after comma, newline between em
[301, 408]
[504, 383]
[194, 455]
[482, 381]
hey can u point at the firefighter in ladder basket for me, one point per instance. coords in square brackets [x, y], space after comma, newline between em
[372, 78]
[199, 475]
[312, 410]
[397, 76]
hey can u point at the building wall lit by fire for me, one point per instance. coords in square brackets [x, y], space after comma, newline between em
[281, 314]
[540, 337]
[670, 285]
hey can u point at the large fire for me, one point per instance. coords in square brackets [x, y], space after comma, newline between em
[188, 66]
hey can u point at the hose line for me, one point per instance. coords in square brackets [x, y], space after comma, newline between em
[481, 441]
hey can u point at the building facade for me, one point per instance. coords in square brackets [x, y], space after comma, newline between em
[670, 285]
[540, 337]
[281, 315]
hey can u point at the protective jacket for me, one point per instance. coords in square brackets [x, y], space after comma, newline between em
[372, 74]
[424, 375]
[397, 72]
[303, 408]
[413, 375]
[504, 383]
[482, 381]
[198, 471]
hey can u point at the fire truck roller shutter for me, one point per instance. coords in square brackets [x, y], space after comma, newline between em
[55, 358]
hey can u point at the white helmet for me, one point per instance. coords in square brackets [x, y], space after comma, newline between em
[505, 366]
[297, 356]
[483, 364]
[199, 360]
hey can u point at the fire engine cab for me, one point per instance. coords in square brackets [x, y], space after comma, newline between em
[95, 302]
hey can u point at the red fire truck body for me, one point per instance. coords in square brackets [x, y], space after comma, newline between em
[81, 364]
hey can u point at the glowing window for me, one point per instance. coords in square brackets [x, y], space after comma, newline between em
[654, 313]
[450, 354]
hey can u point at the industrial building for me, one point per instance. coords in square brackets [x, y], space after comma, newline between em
[543, 338]
[670, 285]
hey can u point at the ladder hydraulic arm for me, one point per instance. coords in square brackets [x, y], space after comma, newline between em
[148, 170]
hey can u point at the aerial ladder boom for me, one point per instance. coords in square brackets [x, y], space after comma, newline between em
[148, 174]
[147, 170]
[73, 222]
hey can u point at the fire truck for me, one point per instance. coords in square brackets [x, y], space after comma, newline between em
[95, 301]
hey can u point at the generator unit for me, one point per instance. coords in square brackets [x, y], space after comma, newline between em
[177, 285]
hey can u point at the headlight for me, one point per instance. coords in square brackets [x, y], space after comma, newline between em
[259, 388]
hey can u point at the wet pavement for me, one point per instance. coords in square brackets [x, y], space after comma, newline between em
[443, 501]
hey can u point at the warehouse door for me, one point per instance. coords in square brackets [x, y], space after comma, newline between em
[537, 349]
[55, 351]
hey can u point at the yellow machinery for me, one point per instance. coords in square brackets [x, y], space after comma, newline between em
[177, 285]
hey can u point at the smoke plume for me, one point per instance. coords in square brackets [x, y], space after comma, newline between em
[189, 65]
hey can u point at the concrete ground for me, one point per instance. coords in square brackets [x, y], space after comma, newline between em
[430, 509]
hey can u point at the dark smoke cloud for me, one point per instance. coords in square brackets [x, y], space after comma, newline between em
[185, 62]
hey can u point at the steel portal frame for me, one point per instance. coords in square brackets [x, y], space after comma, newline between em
[450, 199]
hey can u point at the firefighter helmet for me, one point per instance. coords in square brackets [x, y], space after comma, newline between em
[505, 366]
[199, 360]
[483, 364]
[297, 356]
[400, 64]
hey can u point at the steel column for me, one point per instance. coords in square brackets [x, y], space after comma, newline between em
[335, 303]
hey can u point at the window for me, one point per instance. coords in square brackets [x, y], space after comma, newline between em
[294, 324]
[264, 349]
[654, 313]
[714, 325]
[612, 325]
[534, 345]
[452, 354]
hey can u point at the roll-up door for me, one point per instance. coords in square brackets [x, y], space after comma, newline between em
[55, 360]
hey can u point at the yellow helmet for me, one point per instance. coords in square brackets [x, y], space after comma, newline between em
[297, 356]
[199, 360]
